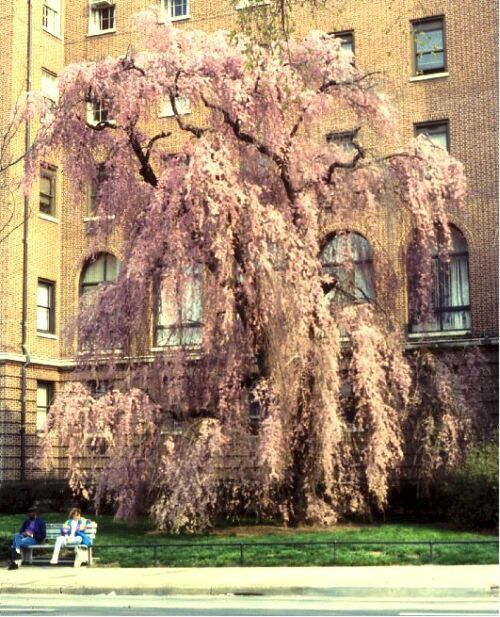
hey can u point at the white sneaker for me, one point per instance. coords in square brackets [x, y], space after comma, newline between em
[80, 557]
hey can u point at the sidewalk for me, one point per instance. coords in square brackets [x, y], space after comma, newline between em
[379, 581]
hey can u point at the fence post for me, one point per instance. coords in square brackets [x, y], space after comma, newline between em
[155, 555]
[242, 558]
[430, 550]
[334, 551]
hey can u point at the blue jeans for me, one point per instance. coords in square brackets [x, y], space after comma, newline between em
[20, 542]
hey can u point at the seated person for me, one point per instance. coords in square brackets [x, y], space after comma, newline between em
[33, 531]
[73, 533]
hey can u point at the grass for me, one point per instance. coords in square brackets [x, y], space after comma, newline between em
[193, 550]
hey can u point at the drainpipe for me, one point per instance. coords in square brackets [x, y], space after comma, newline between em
[24, 330]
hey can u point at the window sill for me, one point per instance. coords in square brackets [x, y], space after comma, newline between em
[48, 217]
[110, 31]
[246, 4]
[184, 113]
[54, 34]
[429, 76]
[93, 219]
[438, 334]
[163, 19]
[49, 335]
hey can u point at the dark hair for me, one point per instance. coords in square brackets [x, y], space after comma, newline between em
[74, 511]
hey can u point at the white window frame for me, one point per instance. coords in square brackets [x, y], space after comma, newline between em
[247, 4]
[49, 85]
[182, 104]
[51, 16]
[167, 7]
[95, 8]
[92, 108]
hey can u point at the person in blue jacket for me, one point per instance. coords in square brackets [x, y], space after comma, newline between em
[33, 531]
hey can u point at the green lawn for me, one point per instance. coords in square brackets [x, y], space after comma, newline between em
[193, 550]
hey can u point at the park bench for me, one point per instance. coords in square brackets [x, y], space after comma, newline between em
[53, 532]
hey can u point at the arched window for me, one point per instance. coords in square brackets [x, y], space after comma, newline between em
[101, 268]
[178, 320]
[347, 258]
[450, 290]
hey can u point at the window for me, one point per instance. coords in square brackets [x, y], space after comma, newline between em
[429, 46]
[179, 321]
[48, 190]
[102, 268]
[97, 112]
[99, 388]
[51, 16]
[93, 190]
[176, 9]
[343, 139]
[437, 132]
[347, 259]
[182, 105]
[49, 85]
[450, 290]
[44, 398]
[102, 16]
[45, 312]
[347, 38]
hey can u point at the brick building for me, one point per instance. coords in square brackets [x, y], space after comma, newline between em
[436, 59]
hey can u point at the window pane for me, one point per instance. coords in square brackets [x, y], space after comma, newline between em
[436, 133]
[178, 323]
[430, 41]
[179, 8]
[112, 267]
[450, 290]
[347, 258]
[94, 273]
[43, 295]
[43, 319]
[46, 185]
[104, 269]
[430, 61]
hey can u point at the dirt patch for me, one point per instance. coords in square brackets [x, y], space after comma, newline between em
[263, 530]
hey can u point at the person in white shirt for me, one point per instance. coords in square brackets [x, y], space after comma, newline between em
[72, 533]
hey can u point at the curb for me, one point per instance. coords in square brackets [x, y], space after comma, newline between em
[343, 592]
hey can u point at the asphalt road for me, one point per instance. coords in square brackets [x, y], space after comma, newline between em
[72, 605]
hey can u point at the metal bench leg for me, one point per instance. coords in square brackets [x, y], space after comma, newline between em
[89, 551]
[27, 555]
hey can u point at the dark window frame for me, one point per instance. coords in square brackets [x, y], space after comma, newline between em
[369, 264]
[90, 261]
[441, 310]
[419, 126]
[51, 309]
[50, 386]
[418, 25]
[177, 331]
[93, 190]
[342, 34]
[50, 173]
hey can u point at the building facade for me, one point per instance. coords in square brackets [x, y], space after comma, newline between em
[436, 59]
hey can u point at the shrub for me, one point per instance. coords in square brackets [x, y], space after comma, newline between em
[17, 497]
[472, 488]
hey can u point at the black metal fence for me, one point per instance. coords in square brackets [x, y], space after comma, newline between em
[335, 545]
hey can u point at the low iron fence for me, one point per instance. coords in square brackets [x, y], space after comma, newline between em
[335, 545]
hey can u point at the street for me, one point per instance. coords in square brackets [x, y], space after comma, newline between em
[70, 605]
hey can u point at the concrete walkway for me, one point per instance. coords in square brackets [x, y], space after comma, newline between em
[379, 581]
